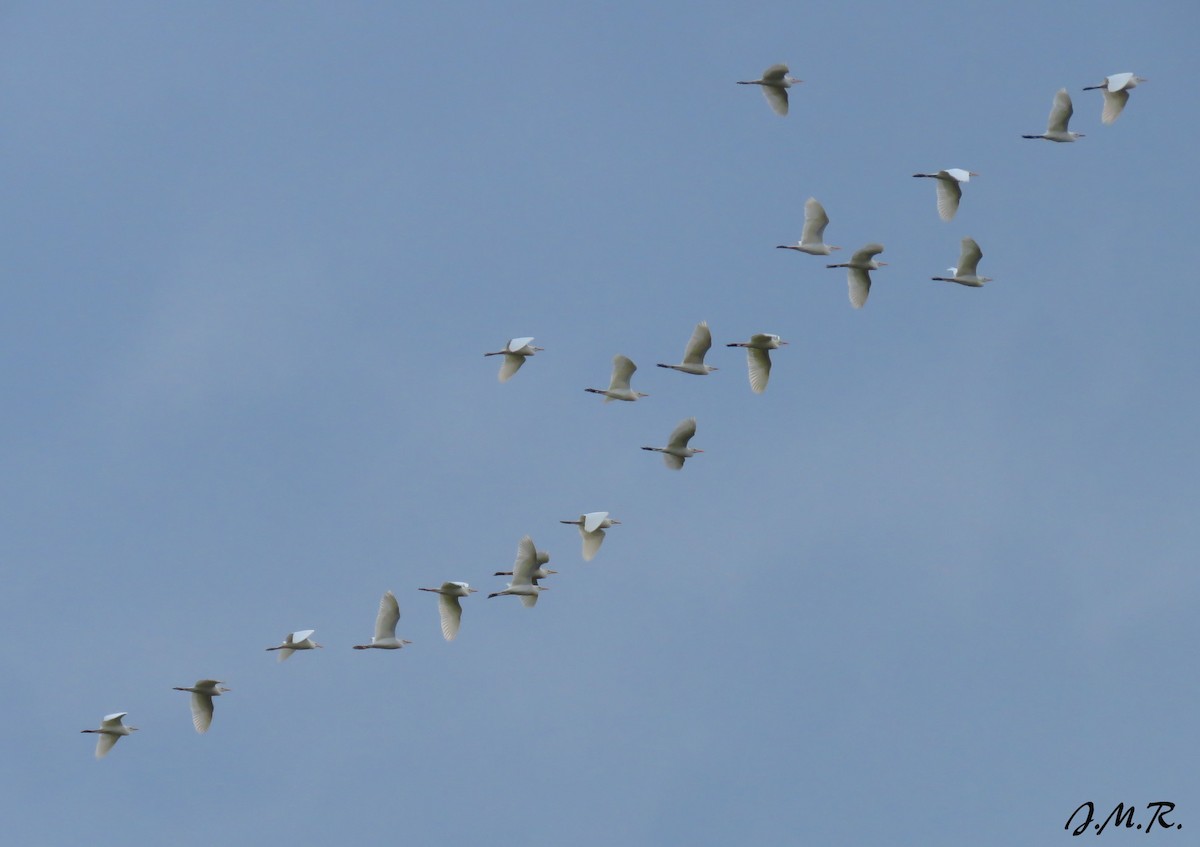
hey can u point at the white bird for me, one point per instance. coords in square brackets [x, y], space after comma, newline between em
[448, 605]
[758, 358]
[111, 729]
[540, 558]
[858, 277]
[618, 386]
[296, 641]
[385, 626]
[1060, 114]
[775, 82]
[1116, 94]
[591, 530]
[677, 450]
[812, 237]
[514, 353]
[693, 354]
[203, 693]
[968, 263]
[523, 583]
[948, 190]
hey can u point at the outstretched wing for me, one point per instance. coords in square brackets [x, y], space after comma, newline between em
[859, 281]
[202, 710]
[682, 433]
[698, 345]
[815, 221]
[759, 363]
[451, 613]
[948, 195]
[512, 364]
[623, 368]
[968, 260]
[1060, 112]
[388, 617]
[1114, 102]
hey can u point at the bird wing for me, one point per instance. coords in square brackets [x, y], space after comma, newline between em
[866, 253]
[777, 98]
[948, 195]
[113, 721]
[698, 345]
[759, 362]
[623, 368]
[775, 73]
[202, 709]
[388, 617]
[297, 637]
[815, 221]
[683, 433]
[1114, 102]
[1117, 81]
[526, 562]
[285, 653]
[592, 521]
[1060, 112]
[760, 339]
[968, 260]
[516, 344]
[859, 281]
[105, 743]
[672, 461]
[451, 613]
[528, 600]
[591, 543]
[512, 364]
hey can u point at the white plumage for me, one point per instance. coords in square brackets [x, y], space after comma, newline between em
[514, 353]
[775, 82]
[758, 358]
[966, 272]
[385, 626]
[112, 728]
[949, 190]
[693, 354]
[618, 386]
[1060, 114]
[448, 606]
[812, 237]
[677, 445]
[591, 530]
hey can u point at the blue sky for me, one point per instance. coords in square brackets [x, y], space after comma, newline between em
[936, 585]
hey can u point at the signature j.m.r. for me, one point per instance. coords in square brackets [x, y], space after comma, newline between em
[1122, 815]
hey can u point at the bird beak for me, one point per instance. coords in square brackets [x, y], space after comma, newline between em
[697, 450]
[551, 571]
[615, 523]
[472, 590]
[881, 264]
[315, 644]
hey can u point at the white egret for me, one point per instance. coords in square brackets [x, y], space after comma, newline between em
[203, 693]
[110, 731]
[514, 353]
[812, 237]
[758, 358]
[693, 354]
[1116, 93]
[1060, 114]
[448, 605]
[618, 386]
[591, 530]
[949, 191]
[540, 558]
[968, 263]
[296, 641]
[524, 584]
[775, 82]
[677, 450]
[385, 626]
[857, 274]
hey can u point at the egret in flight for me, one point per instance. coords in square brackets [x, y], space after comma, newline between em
[758, 359]
[968, 262]
[949, 191]
[514, 353]
[775, 82]
[448, 605]
[385, 626]
[524, 583]
[858, 275]
[1116, 94]
[1060, 115]
[591, 530]
[203, 693]
[693, 354]
[301, 640]
[110, 731]
[540, 558]
[812, 237]
[618, 386]
[677, 450]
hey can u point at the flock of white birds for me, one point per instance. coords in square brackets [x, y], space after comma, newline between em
[529, 566]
